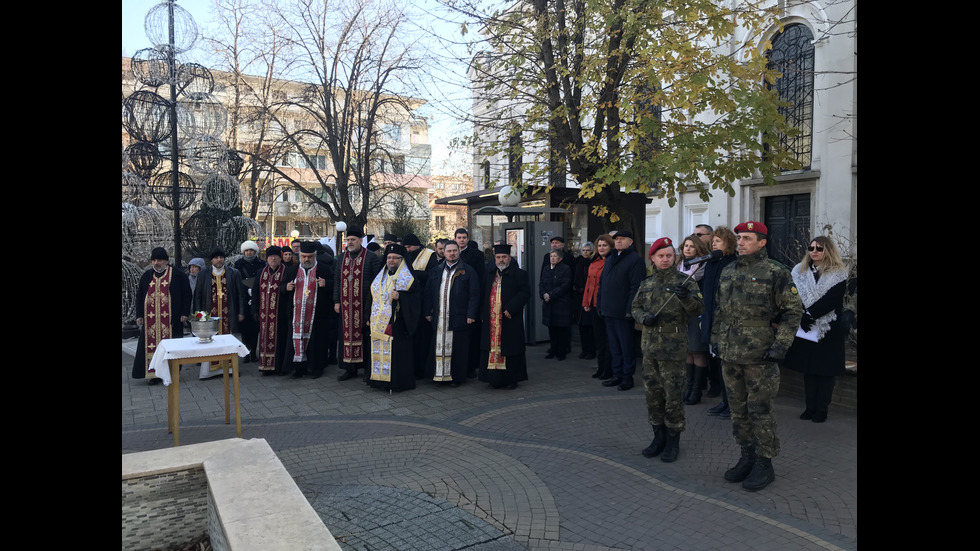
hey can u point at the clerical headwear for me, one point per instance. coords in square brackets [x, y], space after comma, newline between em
[355, 231]
[273, 251]
[308, 247]
[396, 249]
[390, 237]
[501, 248]
[411, 239]
[216, 252]
[159, 253]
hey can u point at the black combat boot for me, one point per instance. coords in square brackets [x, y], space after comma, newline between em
[659, 441]
[744, 466]
[694, 395]
[690, 383]
[761, 476]
[672, 448]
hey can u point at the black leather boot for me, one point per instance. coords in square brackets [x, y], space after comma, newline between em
[694, 395]
[761, 476]
[741, 470]
[672, 448]
[690, 383]
[659, 441]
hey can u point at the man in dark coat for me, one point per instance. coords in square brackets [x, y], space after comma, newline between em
[618, 284]
[308, 290]
[354, 272]
[249, 266]
[420, 259]
[396, 308]
[470, 253]
[506, 290]
[163, 304]
[554, 290]
[451, 305]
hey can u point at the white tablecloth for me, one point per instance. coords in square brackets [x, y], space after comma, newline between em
[191, 347]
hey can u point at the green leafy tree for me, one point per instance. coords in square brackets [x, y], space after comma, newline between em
[628, 95]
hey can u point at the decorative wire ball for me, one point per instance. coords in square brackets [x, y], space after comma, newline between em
[200, 231]
[125, 160]
[143, 228]
[207, 154]
[151, 67]
[157, 27]
[235, 162]
[221, 191]
[162, 189]
[201, 115]
[130, 287]
[146, 116]
[194, 79]
[134, 189]
[144, 157]
[236, 230]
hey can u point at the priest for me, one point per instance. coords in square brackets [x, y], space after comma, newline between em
[506, 290]
[396, 304]
[163, 304]
[354, 271]
[451, 305]
[308, 291]
[271, 313]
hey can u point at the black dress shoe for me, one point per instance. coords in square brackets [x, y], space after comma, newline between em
[582, 356]
[512, 386]
[550, 355]
[626, 385]
[297, 375]
[155, 381]
[597, 374]
[819, 416]
[807, 414]
[612, 382]
[590, 356]
[347, 375]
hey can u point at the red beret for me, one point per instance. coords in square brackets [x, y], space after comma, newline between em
[752, 226]
[661, 243]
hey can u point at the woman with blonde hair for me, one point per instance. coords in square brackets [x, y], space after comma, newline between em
[724, 240]
[818, 350]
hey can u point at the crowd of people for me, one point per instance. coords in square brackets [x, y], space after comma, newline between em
[712, 315]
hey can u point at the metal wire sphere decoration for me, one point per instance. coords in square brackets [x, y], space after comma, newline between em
[130, 287]
[200, 231]
[146, 117]
[125, 159]
[221, 191]
[157, 27]
[161, 187]
[143, 228]
[235, 162]
[144, 157]
[237, 230]
[200, 115]
[134, 189]
[194, 79]
[151, 67]
[207, 154]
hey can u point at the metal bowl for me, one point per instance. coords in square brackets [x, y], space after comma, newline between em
[205, 330]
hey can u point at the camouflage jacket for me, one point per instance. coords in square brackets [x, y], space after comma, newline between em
[667, 339]
[758, 309]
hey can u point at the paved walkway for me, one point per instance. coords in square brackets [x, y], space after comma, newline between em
[552, 465]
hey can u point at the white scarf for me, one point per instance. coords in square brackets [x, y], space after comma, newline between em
[812, 290]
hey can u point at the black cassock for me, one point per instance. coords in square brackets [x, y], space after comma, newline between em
[318, 346]
[403, 344]
[515, 291]
[180, 305]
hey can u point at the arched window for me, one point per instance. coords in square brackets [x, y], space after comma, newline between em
[792, 55]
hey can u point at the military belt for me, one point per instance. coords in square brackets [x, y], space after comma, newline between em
[754, 323]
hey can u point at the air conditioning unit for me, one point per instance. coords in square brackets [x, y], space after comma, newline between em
[295, 207]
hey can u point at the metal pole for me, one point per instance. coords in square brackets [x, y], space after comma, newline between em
[174, 158]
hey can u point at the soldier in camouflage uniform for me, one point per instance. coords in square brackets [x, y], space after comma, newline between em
[664, 303]
[755, 322]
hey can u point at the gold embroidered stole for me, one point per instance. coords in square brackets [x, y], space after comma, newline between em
[351, 301]
[496, 360]
[383, 313]
[268, 298]
[444, 335]
[158, 324]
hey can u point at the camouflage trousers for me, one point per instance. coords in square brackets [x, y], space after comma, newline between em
[664, 382]
[751, 391]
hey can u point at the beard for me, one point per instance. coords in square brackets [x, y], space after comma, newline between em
[307, 265]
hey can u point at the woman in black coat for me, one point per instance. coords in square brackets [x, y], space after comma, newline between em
[821, 279]
[555, 289]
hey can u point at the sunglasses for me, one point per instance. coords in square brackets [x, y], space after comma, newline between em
[817, 248]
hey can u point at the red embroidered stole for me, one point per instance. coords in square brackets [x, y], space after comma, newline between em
[304, 302]
[158, 324]
[351, 300]
[497, 360]
[268, 299]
